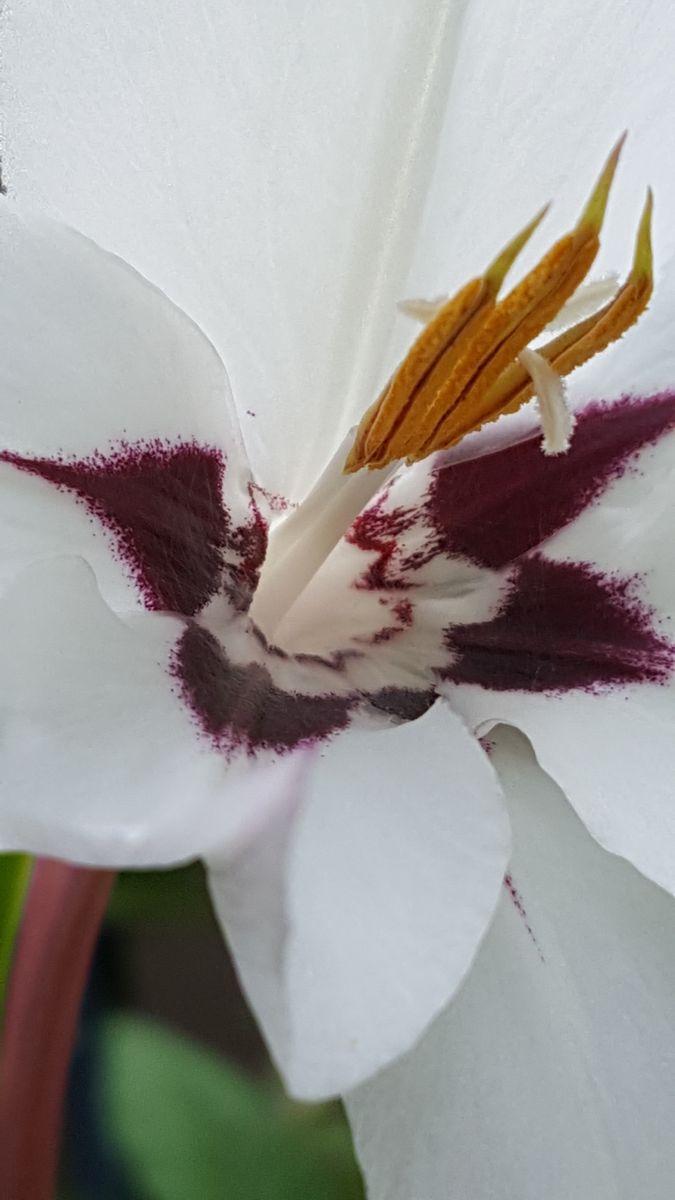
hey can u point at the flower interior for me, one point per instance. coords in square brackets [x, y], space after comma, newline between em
[386, 586]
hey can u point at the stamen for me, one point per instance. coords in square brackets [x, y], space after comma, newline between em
[460, 405]
[587, 299]
[587, 338]
[557, 420]
[432, 355]
[464, 369]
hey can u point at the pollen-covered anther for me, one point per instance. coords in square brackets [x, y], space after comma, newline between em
[582, 341]
[440, 346]
[465, 368]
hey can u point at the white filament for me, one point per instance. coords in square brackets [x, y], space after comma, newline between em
[422, 310]
[302, 541]
[557, 421]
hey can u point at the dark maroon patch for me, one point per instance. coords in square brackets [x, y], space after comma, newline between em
[164, 506]
[562, 626]
[249, 542]
[403, 704]
[495, 508]
[240, 707]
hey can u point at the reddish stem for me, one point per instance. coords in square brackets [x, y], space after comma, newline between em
[60, 924]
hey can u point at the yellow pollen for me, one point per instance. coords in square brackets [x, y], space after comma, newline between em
[463, 369]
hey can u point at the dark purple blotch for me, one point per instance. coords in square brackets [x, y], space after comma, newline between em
[495, 508]
[164, 506]
[240, 707]
[562, 626]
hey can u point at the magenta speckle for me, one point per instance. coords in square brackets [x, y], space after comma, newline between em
[522, 912]
[404, 611]
[378, 530]
[250, 544]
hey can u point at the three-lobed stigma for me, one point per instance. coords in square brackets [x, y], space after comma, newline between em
[465, 368]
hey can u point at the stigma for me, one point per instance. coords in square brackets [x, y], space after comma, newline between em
[472, 362]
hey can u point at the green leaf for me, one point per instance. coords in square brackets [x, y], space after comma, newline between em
[14, 873]
[175, 895]
[190, 1126]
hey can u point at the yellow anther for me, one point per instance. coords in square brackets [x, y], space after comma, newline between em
[589, 337]
[431, 357]
[643, 258]
[462, 371]
[460, 405]
[439, 343]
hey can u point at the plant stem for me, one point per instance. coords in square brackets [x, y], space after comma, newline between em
[59, 927]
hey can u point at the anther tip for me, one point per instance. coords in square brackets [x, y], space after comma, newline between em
[594, 212]
[498, 268]
[649, 201]
[643, 262]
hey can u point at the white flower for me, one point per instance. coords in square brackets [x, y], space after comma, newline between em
[285, 176]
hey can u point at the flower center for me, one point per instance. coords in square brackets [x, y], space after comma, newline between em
[471, 365]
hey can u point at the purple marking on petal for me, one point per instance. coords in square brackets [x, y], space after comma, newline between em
[164, 505]
[249, 542]
[240, 707]
[378, 530]
[519, 906]
[495, 508]
[404, 704]
[562, 626]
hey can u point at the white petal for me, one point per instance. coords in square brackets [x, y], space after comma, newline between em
[101, 761]
[265, 164]
[610, 747]
[94, 360]
[553, 1072]
[539, 95]
[353, 925]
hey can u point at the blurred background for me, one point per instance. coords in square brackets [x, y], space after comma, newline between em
[172, 1095]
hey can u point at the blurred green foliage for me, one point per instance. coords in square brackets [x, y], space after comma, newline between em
[187, 1125]
[176, 895]
[14, 873]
